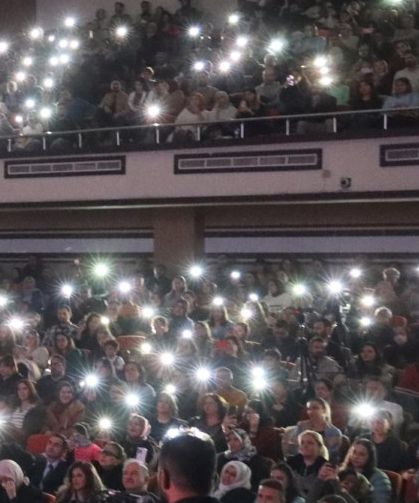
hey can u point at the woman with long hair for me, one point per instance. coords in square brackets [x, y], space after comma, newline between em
[312, 454]
[88, 333]
[28, 416]
[362, 458]
[135, 376]
[369, 363]
[202, 338]
[178, 289]
[283, 473]
[65, 411]
[64, 345]
[213, 410]
[219, 322]
[166, 416]
[81, 484]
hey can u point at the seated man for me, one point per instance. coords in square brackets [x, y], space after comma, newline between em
[135, 478]
[270, 491]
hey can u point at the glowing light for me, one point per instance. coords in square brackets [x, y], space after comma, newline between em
[167, 359]
[196, 271]
[121, 31]
[63, 43]
[258, 372]
[335, 287]
[101, 270]
[364, 410]
[259, 384]
[16, 323]
[4, 46]
[325, 70]
[30, 103]
[224, 66]
[19, 119]
[91, 381]
[104, 320]
[36, 33]
[3, 301]
[194, 31]
[153, 111]
[105, 423]
[27, 61]
[48, 83]
[326, 81]
[254, 297]
[246, 313]
[74, 45]
[355, 273]
[53, 61]
[69, 22]
[147, 312]
[187, 334]
[64, 59]
[45, 113]
[365, 322]
[51, 38]
[320, 61]
[368, 301]
[203, 374]
[299, 289]
[233, 19]
[124, 287]
[20, 76]
[218, 301]
[235, 56]
[132, 400]
[198, 66]
[172, 433]
[235, 275]
[170, 389]
[242, 41]
[276, 45]
[146, 348]
[67, 291]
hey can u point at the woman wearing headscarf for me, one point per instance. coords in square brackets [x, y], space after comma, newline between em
[234, 486]
[15, 486]
[240, 448]
[138, 441]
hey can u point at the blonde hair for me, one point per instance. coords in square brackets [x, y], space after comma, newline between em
[323, 452]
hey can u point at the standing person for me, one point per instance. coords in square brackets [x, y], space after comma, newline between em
[186, 469]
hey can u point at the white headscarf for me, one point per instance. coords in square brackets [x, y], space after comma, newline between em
[11, 470]
[243, 475]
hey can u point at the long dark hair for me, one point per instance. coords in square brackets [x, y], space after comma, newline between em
[371, 464]
[93, 481]
[292, 491]
[264, 418]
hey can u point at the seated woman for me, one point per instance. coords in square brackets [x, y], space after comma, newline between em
[15, 487]
[283, 474]
[281, 404]
[193, 113]
[240, 448]
[323, 388]
[136, 378]
[318, 411]
[81, 484]
[370, 363]
[109, 466]
[356, 485]
[362, 458]
[65, 411]
[34, 351]
[403, 97]
[28, 416]
[212, 414]
[166, 416]
[366, 98]
[234, 485]
[138, 437]
[261, 431]
[88, 330]
[391, 452]
[64, 345]
[311, 457]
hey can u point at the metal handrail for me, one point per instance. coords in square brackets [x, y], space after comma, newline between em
[385, 113]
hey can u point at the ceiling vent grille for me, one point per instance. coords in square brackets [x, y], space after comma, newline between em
[65, 167]
[231, 162]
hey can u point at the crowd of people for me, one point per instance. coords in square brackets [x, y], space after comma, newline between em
[270, 58]
[304, 376]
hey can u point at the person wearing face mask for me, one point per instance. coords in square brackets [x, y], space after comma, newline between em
[403, 350]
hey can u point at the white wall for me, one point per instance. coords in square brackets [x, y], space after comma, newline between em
[49, 11]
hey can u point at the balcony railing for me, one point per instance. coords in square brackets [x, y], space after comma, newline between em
[240, 129]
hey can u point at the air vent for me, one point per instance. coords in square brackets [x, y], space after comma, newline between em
[399, 155]
[65, 167]
[276, 160]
